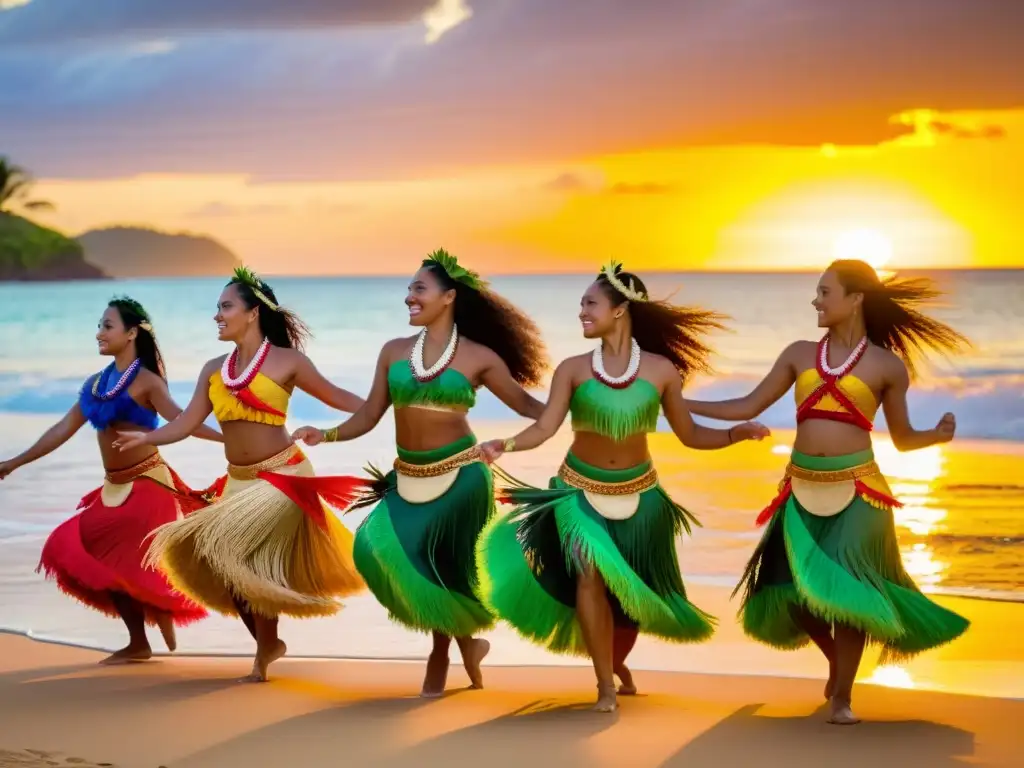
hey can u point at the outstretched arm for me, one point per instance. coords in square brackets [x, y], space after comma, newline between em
[897, 417]
[311, 381]
[162, 402]
[498, 379]
[699, 437]
[365, 418]
[546, 426]
[51, 440]
[187, 422]
[772, 387]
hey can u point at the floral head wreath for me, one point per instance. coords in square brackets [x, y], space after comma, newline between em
[249, 278]
[134, 306]
[455, 271]
[611, 271]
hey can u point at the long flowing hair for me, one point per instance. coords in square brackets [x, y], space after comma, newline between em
[662, 328]
[892, 312]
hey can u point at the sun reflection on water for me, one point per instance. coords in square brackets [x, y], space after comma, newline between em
[913, 479]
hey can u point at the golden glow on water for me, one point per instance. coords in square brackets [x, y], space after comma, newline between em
[913, 478]
[891, 676]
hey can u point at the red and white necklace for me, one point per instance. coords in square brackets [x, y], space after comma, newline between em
[420, 372]
[848, 364]
[616, 382]
[227, 370]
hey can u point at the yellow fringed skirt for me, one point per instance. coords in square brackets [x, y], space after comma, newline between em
[268, 540]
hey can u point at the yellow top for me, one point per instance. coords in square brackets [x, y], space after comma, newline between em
[264, 401]
[808, 382]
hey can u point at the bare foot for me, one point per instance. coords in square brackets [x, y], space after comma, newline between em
[474, 652]
[129, 654]
[606, 701]
[841, 714]
[263, 661]
[166, 625]
[830, 685]
[628, 687]
[436, 676]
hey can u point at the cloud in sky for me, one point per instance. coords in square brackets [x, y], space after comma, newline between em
[50, 22]
[347, 90]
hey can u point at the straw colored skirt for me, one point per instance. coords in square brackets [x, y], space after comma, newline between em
[417, 547]
[268, 541]
[101, 549]
[830, 547]
[620, 522]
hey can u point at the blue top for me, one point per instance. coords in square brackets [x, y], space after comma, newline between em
[121, 409]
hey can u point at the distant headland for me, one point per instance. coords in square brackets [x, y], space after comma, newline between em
[32, 252]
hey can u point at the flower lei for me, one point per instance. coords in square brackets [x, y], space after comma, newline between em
[420, 372]
[616, 382]
[122, 383]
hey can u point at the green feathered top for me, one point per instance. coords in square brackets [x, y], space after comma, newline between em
[615, 413]
[449, 391]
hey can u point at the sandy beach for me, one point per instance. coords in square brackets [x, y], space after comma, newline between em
[58, 707]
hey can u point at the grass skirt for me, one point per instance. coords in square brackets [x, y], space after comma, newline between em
[529, 559]
[842, 568]
[419, 559]
[100, 550]
[268, 540]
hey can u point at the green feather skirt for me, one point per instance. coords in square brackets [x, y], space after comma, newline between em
[529, 559]
[419, 559]
[843, 569]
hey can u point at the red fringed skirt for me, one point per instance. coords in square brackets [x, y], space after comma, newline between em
[101, 549]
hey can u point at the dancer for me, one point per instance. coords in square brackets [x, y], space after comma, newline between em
[416, 548]
[96, 556]
[267, 546]
[583, 566]
[828, 568]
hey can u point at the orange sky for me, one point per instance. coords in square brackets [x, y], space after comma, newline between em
[938, 200]
[317, 138]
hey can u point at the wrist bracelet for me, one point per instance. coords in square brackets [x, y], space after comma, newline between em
[509, 445]
[731, 441]
[330, 435]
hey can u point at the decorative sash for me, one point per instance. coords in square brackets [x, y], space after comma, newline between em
[117, 484]
[826, 493]
[613, 501]
[422, 483]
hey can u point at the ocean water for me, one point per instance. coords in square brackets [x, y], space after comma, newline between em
[960, 529]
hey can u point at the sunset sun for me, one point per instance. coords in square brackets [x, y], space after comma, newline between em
[868, 245]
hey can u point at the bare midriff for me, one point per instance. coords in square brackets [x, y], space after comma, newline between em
[605, 453]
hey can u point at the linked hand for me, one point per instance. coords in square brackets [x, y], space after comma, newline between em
[6, 467]
[308, 435]
[492, 450]
[127, 441]
[750, 430]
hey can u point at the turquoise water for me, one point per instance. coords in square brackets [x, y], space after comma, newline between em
[47, 349]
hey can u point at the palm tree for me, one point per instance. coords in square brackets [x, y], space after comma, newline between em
[15, 187]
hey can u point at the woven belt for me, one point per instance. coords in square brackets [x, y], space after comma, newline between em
[125, 476]
[646, 481]
[438, 468]
[832, 476]
[252, 471]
